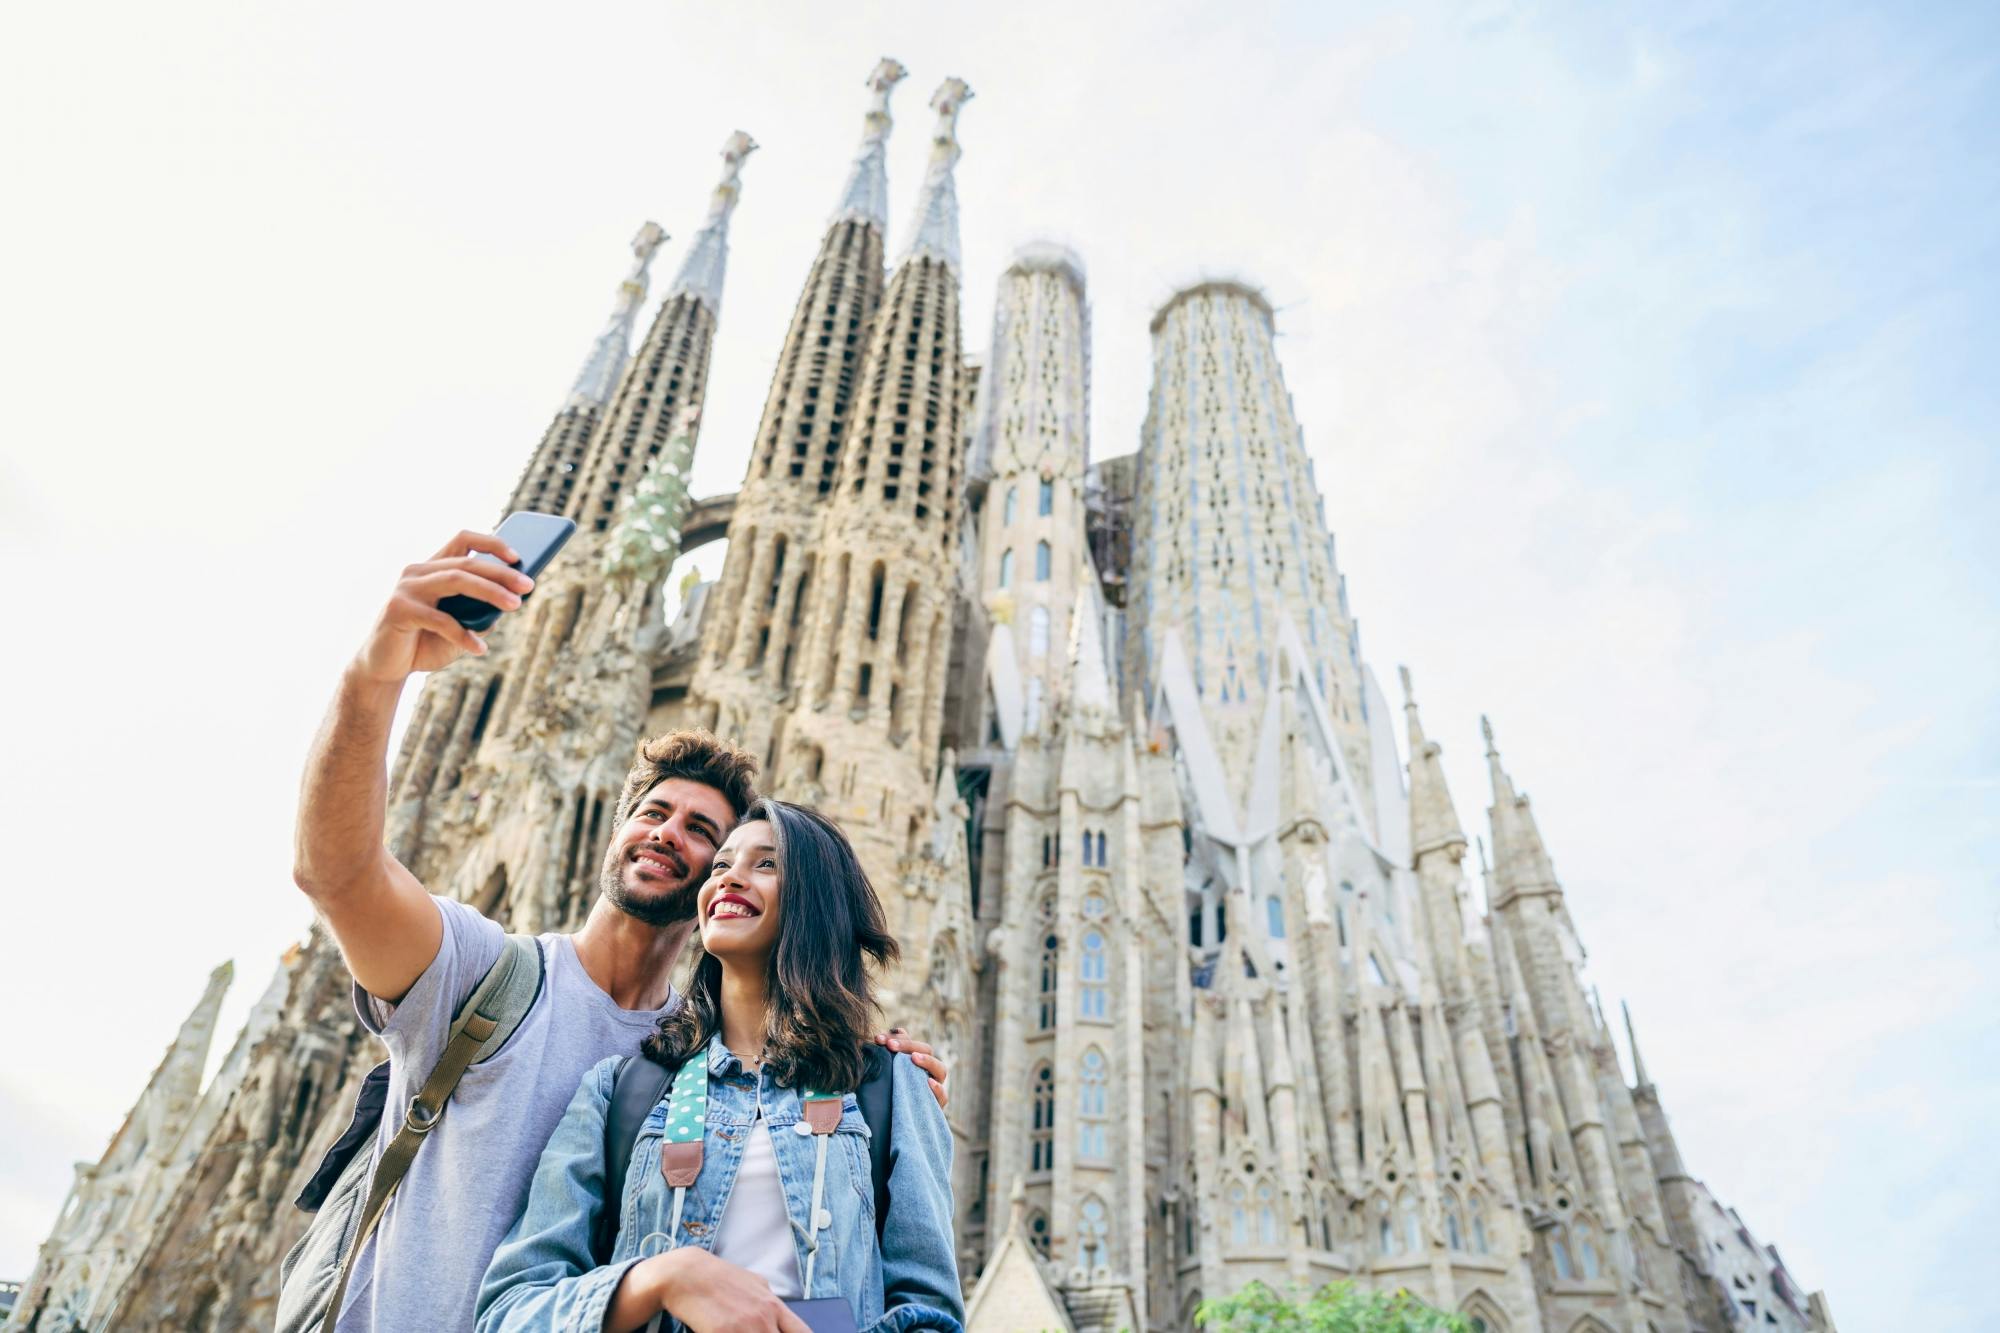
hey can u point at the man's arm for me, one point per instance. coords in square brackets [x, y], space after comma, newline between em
[385, 923]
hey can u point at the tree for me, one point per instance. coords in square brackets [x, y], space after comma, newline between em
[1336, 1308]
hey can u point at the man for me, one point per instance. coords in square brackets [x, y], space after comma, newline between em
[415, 957]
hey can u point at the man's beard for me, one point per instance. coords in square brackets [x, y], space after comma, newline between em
[667, 907]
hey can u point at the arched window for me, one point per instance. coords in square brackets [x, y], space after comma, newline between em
[1045, 502]
[1038, 1232]
[1006, 566]
[1093, 1105]
[1454, 1235]
[1326, 1215]
[1385, 1228]
[1095, 972]
[1041, 1144]
[1559, 1255]
[1239, 1214]
[1586, 1252]
[1478, 1210]
[1413, 1230]
[1094, 907]
[1050, 981]
[1274, 915]
[1093, 1231]
[1038, 632]
[1041, 562]
[1102, 859]
[1007, 510]
[1267, 1214]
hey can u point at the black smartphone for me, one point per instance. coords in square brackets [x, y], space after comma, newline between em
[535, 538]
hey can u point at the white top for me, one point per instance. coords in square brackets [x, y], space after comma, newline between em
[755, 1232]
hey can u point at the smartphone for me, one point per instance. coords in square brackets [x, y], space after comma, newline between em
[535, 538]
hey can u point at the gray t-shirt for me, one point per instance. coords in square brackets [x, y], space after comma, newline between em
[422, 1267]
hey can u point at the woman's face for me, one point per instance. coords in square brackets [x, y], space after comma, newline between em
[739, 904]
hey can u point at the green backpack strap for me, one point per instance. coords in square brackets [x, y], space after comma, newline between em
[482, 1026]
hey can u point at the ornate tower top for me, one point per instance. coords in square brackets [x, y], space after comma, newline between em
[865, 197]
[599, 375]
[702, 270]
[934, 226]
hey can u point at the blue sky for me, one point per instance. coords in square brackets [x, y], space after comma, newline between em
[1639, 352]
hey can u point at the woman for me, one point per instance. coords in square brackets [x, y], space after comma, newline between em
[767, 1046]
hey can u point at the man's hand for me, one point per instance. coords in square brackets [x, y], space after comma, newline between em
[708, 1294]
[898, 1040]
[412, 635]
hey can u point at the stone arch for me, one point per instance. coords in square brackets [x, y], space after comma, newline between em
[1484, 1314]
[1590, 1323]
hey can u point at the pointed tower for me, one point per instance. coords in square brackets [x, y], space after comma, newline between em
[751, 643]
[670, 369]
[549, 481]
[115, 1201]
[862, 728]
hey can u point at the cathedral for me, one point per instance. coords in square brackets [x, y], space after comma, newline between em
[1224, 996]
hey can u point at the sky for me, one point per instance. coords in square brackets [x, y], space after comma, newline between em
[1643, 352]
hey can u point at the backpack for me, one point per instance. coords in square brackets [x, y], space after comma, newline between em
[351, 1189]
[641, 1082]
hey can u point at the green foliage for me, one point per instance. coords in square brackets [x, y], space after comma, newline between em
[1336, 1308]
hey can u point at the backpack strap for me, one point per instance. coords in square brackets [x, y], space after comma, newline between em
[878, 1108]
[636, 1090]
[481, 1027]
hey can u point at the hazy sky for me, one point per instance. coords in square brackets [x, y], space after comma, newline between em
[1645, 353]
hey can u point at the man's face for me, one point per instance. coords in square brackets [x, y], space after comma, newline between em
[659, 856]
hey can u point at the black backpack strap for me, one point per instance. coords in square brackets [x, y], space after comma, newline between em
[879, 1110]
[637, 1089]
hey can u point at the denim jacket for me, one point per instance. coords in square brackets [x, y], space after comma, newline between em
[543, 1276]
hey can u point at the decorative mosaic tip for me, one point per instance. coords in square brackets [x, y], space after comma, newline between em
[647, 538]
[934, 228]
[865, 196]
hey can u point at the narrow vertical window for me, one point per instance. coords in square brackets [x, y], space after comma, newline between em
[1586, 1252]
[1045, 502]
[1559, 1255]
[1267, 1214]
[1478, 1225]
[1049, 982]
[1041, 1143]
[1093, 1230]
[1006, 566]
[1041, 562]
[1007, 510]
[1093, 1105]
[1038, 632]
[1095, 972]
[1239, 1214]
[1274, 915]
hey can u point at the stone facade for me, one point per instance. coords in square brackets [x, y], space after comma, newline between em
[1222, 1000]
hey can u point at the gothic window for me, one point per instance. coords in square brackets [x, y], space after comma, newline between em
[1385, 1228]
[1041, 562]
[1093, 1229]
[1239, 1214]
[1048, 851]
[1326, 1216]
[1100, 848]
[1006, 566]
[1041, 1143]
[1095, 973]
[1267, 1214]
[1478, 1211]
[1093, 1104]
[1038, 1232]
[1340, 923]
[1413, 1231]
[1454, 1236]
[1586, 1252]
[1375, 973]
[1045, 502]
[1274, 915]
[1038, 632]
[1007, 510]
[1559, 1255]
[1094, 907]
[1049, 982]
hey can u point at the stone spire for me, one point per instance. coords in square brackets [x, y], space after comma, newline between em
[1521, 862]
[708, 258]
[1433, 818]
[550, 478]
[178, 1080]
[934, 222]
[865, 196]
[669, 371]
[1639, 1079]
[608, 354]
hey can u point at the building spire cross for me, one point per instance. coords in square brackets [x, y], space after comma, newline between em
[707, 259]
[934, 224]
[608, 354]
[865, 196]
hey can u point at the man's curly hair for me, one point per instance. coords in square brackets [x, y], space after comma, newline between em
[697, 756]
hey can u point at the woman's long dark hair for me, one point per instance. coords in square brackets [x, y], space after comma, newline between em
[830, 924]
